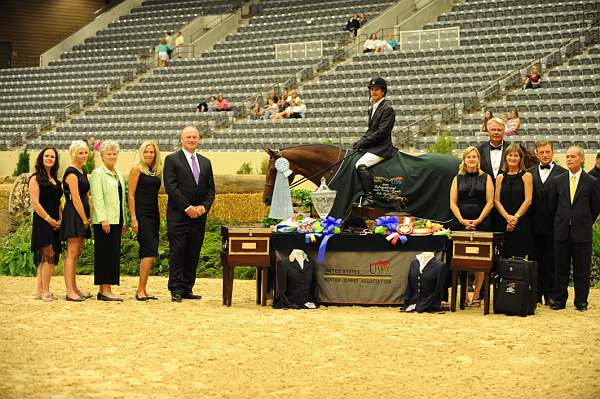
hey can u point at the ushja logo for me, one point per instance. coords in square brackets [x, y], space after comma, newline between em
[381, 267]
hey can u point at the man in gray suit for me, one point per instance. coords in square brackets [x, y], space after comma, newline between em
[377, 141]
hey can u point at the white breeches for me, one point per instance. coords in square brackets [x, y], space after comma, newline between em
[368, 160]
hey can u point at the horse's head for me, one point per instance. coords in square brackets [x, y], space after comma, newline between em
[271, 173]
[531, 158]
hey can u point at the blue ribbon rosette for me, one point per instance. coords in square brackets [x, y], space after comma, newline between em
[387, 226]
[330, 226]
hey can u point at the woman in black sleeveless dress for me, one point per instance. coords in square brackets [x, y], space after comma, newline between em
[75, 226]
[144, 184]
[44, 194]
[514, 188]
[471, 200]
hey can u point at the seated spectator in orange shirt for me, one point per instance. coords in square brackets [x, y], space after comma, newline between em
[221, 104]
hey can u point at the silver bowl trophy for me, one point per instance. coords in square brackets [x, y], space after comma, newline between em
[323, 199]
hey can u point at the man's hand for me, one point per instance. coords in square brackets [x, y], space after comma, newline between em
[192, 212]
[200, 209]
[106, 227]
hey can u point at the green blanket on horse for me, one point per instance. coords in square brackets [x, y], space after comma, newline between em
[419, 186]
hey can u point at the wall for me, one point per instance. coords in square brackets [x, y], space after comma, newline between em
[33, 26]
[89, 30]
[427, 12]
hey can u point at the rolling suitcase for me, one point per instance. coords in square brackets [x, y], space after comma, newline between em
[515, 287]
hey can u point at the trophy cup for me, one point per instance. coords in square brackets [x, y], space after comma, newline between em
[323, 199]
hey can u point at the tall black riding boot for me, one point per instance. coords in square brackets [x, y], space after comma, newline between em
[366, 181]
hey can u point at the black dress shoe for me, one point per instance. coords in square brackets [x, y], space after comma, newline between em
[102, 297]
[190, 295]
[175, 297]
[556, 306]
[581, 308]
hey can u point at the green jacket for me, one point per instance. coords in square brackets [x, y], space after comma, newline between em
[105, 196]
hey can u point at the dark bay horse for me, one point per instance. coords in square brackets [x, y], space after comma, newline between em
[427, 177]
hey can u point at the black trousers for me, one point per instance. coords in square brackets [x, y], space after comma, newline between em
[580, 253]
[107, 255]
[543, 253]
[185, 243]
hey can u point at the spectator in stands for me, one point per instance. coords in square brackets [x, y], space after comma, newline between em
[370, 45]
[221, 104]
[109, 216]
[533, 80]
[392, 41]
[486, 117]
[75, 225]
[362, 18]
[284, 93]
[270, 109]
[471, 200]
[163, 53]
[202, 107]
[45, 192]
[170, 44]
[514, 191]
[513, 124]
[255, 109]
[382, 46]
[178, 50]
[595, 171]
[144, 183]
[294, 111]
[353, 24]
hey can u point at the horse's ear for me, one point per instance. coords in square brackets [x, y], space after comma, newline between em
[270, 152]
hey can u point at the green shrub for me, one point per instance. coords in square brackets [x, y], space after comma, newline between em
[264, 166]
[245, 169]
[22, 163]
[444, 144]
[16, 258]
[327, 142]
[89, 165]
[596, 256]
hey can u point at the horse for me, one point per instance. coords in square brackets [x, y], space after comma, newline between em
[435, 172]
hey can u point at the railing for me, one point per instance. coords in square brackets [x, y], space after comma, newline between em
[429, 39]
[299, 51]
[431, 122]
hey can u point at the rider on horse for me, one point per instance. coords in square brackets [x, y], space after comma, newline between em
[377, 141]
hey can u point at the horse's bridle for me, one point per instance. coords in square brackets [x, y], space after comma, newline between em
[340, 160]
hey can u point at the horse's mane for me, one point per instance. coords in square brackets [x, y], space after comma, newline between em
[327, 147]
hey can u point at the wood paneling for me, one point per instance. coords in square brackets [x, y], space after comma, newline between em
[34, 26]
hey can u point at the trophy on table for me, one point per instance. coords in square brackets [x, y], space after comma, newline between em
[323, 199]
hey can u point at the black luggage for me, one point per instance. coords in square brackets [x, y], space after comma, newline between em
[515, 287]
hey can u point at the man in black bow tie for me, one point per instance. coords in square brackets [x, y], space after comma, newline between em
[492, 160]
[543, 219]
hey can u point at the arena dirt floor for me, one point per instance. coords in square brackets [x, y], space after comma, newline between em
[200, 349]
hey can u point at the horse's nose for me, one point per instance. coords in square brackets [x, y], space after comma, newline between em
[267, 201]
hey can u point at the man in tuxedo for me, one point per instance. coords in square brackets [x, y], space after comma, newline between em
[190, 186]
[543, 219]
[377, 141]
[492, 160]
[595, 171]
[574, 198]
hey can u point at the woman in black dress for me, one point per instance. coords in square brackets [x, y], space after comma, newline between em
[75, 225]
[109, 217]
[514, 188]
[144, 184]
[44, 194]
[471, 200]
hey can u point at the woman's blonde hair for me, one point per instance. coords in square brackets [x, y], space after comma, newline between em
[462, 168]
[76, 146]
[514, 148]
[157, 164]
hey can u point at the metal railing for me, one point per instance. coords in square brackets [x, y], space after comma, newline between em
[299, 51]
[429, 39]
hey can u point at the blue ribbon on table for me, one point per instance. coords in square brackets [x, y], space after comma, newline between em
[329, 225]
[389, 222]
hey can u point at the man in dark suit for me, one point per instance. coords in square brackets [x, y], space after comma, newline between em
[595, 171]
[492, 160]
[543, 219]
[574, 199]
[190, 186]
[377, 141]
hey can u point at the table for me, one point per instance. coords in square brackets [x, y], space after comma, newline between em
[361, 269]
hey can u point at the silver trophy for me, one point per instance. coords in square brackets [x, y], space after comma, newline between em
[323, 199]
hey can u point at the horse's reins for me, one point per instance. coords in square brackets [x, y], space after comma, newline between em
[304, 179]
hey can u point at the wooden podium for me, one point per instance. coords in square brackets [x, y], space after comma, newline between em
[245, 246]
[474, 251]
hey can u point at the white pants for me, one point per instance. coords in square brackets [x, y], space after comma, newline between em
[368, 160]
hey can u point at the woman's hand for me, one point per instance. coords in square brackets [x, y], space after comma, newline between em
[55, 224]
[134, 226]
[106, 227]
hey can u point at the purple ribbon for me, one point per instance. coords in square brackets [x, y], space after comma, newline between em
[329, 225]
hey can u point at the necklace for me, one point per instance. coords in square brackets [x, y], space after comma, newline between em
[151, 172]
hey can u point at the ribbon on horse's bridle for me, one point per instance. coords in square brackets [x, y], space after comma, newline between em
[304, 179]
